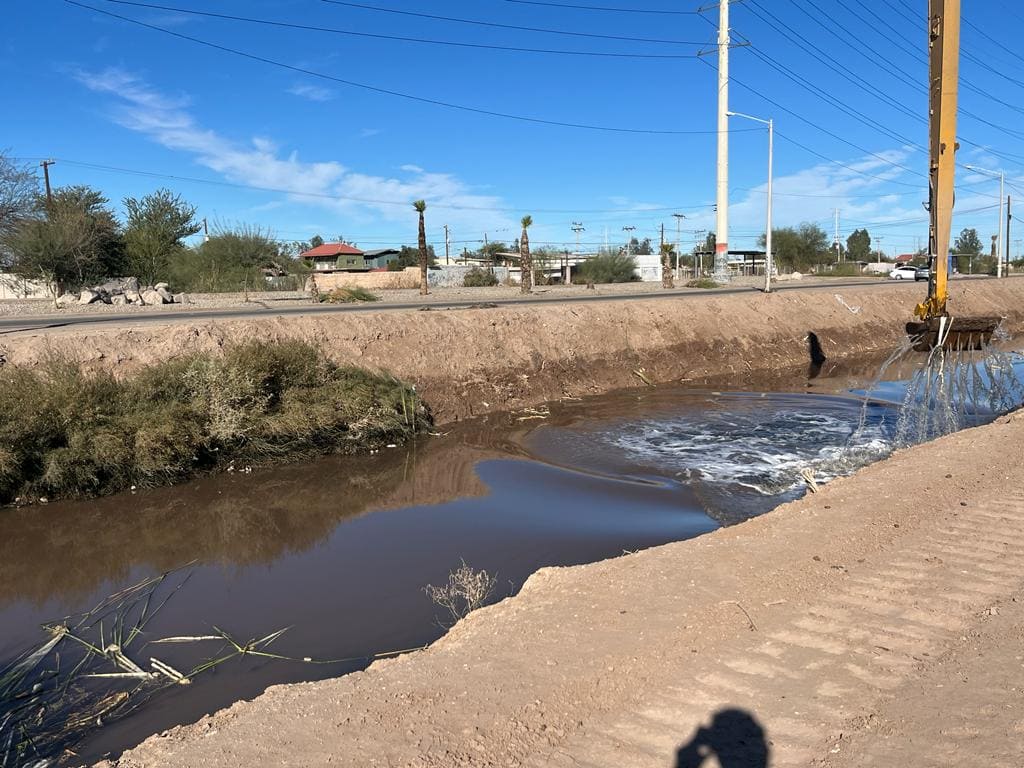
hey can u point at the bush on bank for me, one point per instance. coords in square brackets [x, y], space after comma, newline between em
[65, 432]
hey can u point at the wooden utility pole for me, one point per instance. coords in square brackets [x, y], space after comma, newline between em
[447, 245]
[46, 175]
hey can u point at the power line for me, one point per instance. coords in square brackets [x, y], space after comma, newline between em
[601, 8]
[370, 201]
[401, 38]
[497, 25]
[384, 91]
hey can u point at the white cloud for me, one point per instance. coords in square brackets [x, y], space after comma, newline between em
[311, 92]
[366, 133]
[259, 161]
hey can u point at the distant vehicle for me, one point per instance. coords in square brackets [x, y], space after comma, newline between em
[905, 272]
[922, 273]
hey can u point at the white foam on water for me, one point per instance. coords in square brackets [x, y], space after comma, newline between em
[760, 443]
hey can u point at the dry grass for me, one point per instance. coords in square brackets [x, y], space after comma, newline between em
[348, 295]
[65, 432]
[466, 590]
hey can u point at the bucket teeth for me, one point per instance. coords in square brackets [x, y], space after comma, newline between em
[953, 333]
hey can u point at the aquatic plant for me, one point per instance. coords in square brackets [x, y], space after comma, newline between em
[67, 432]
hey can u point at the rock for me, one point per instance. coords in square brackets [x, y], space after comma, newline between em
[67, 299]
[182, 298]
[130, 284]
[158, 286]
[119, 299]
[88, 296]
[796, 276]
[151, 296]
[165, 294]
[133, 297]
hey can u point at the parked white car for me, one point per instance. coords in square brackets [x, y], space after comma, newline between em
[905, 272]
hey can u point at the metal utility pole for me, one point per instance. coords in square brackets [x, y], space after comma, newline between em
[722, 196]
[447, 245]
[629, 238]
[577, 227]
[206, 231]
[679, 245]
[46, 175]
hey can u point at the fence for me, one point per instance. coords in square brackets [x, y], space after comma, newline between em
[14, 287]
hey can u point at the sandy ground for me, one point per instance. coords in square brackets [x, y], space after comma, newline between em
[469, 362]
[878, 622]
[239, 300]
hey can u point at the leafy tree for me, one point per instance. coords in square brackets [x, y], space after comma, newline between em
[968, 243]
[607, 268]
[410, 257]
[640, 247]
[70, 245]
[800, 248]
[525, 262]
[156, 226]
[231, 260]
[420, 207]
[19, 189]
[315, 242]
[858, 245]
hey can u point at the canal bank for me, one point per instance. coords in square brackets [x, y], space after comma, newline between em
[467, 362]
[813, 622]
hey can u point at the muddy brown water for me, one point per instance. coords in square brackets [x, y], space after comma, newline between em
[340, 549]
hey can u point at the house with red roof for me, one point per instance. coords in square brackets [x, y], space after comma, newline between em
[342, 257]
[334, 257]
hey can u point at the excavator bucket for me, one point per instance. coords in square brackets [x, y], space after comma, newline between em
[952, 333]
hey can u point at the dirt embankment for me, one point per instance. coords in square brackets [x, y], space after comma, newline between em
[466, 362]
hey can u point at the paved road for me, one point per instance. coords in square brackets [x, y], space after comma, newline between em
[20, 323]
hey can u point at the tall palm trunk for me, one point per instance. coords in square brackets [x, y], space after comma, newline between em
[420, 207]
[667, 280]
[525, 259]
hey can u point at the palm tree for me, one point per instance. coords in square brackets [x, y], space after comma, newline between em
[666, 266]
[525, 260]
[421, 206]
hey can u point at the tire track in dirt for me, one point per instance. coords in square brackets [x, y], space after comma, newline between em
[862, 644]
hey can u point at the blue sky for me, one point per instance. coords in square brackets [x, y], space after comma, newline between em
[843, 79]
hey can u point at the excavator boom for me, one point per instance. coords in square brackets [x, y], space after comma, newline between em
[936, 327]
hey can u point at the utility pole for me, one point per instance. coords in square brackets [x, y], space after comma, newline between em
[679, 245]
[722, 196]
[839, 250]
[46, 175]
[577, 227]
[206, 231]
[629, 237]
[447, 245]
[1009, 217]
[768, 213]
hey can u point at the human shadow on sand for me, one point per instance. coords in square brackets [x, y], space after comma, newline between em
[734, 737]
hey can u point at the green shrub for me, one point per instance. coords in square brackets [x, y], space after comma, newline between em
[478, 277]
[606, 268]
[703, 282]
[348, 294]
[65, 432]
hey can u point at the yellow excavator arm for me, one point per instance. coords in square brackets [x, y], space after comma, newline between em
[937, 328]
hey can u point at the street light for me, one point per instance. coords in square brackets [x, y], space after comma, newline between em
[768, 229]
[679, 219]
[1002, 180]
